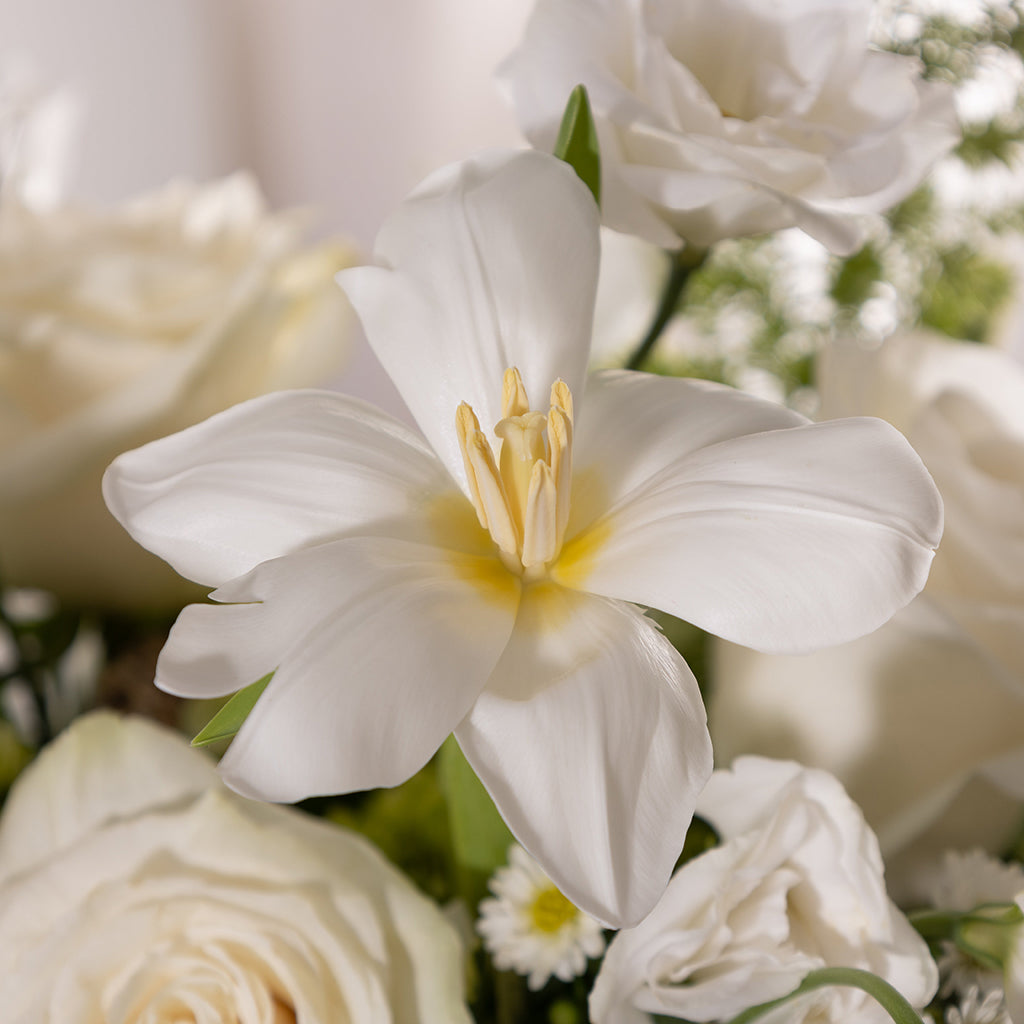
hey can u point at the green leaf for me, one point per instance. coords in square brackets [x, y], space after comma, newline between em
[480, 837]
[229, 719]
[577, 141]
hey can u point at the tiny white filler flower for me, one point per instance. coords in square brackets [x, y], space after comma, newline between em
[531, 928]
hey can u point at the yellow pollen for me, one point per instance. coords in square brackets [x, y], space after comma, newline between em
[551, 911]
[521, 496]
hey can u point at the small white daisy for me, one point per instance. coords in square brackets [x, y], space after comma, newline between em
[975, 1008]
[531, 928]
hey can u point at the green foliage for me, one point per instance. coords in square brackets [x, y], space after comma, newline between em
[855, 278]
[480, 838]
[226, 722]
[14, 755]
[577, 141]
[410, 825]
[995, 141]
[963, 292]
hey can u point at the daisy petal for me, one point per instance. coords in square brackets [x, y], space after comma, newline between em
[489, 264]
[391, 643]
[784, 541]
[269, 476]
[591, 738]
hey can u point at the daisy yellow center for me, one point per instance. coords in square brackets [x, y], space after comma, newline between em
[521, 496]
[551, 911]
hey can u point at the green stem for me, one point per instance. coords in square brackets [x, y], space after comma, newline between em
[881, 991]
[684, 263]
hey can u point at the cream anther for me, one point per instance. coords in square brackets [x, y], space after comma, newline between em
[522, 496]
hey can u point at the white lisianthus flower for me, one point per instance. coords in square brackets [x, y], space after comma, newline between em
[135, 888]
[531, 928]
[120, 326]
[404, 587]
[796, 885]
[718, 120]
[922, 720]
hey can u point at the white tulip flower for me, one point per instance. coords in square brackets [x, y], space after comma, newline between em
[734, 117]
[405, 587]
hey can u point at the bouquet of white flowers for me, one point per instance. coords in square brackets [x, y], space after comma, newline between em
[485, 642]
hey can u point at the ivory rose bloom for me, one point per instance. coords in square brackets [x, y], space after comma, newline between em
[135, 889]
[734, 117]
[923, 720]
[796, 885]
[119, 327]
[482, 578]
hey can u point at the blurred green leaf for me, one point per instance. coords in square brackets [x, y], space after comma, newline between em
[577, 141]
[229, 719]
[989, 142]
[856, 277]
[963, 295]
[480, 838]
[409, 823]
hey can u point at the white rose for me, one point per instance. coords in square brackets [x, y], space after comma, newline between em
[135, 889]
[117, 328]
[734, 117]
[795, 885]
[923, 720]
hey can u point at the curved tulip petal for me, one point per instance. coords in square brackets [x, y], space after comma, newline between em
[214, 650]
[592, 740]
[270, 476]
[489, 264]
[784, 541]
[635, 425]
[397, 641]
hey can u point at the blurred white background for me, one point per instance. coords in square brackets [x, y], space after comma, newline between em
[336, 105]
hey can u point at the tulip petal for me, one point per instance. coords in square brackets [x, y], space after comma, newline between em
[783, 540]
[489, 264]
[592, 740]
[269, 476]
[390, 644]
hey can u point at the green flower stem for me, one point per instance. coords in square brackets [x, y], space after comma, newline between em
[684, 263]
[881, 991]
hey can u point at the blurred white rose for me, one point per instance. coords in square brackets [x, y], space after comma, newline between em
[135, 888]
[923, 720]
[737, 117]
[117, 328]
[795, 885]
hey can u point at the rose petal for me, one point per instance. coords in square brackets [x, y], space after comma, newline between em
[98, 772]
[590, 737]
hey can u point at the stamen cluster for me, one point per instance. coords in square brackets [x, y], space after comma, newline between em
[522, 496]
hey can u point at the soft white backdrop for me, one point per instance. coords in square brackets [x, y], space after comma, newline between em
[338, 105]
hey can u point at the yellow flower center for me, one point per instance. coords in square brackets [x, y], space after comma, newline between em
[551, 911]
[522, 497]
